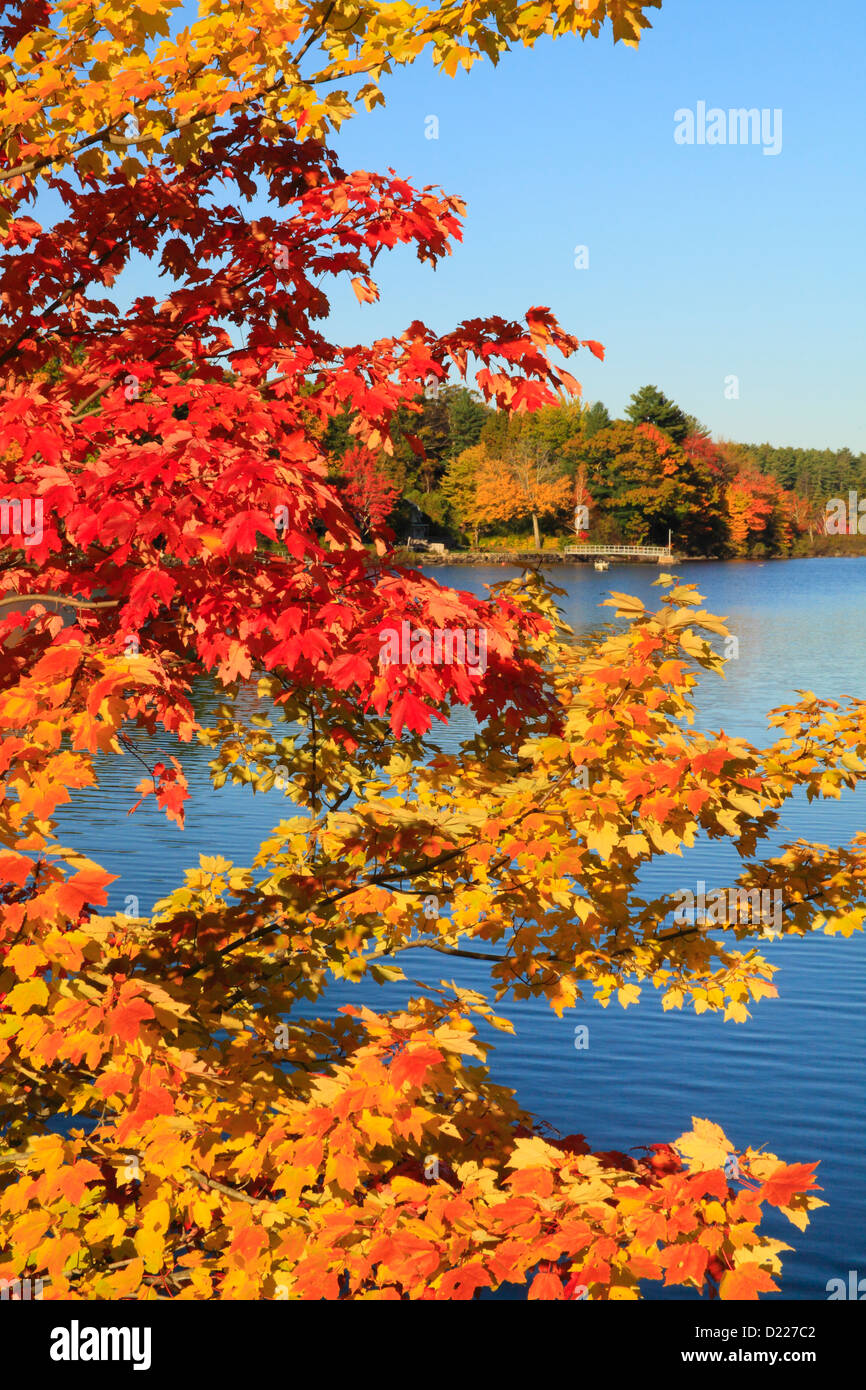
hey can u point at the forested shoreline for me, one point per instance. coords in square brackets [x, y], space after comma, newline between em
[470, 477]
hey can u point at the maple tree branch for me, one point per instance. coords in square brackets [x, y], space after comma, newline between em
[315, 34]
[443, 950]
[701, 927]
[204, 1181]
[59, 598]
[384, 876]
[103, 137]
[83, 280]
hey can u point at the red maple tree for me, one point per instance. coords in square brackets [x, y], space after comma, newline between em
[369, 492]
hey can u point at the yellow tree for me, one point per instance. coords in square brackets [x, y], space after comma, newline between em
[460, 486]
[232, 1150]
[523, 483]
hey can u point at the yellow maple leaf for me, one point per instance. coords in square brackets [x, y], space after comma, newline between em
[26, 995]
[150, 1245]
[628, 994]
[704, 1146]
[25, 959]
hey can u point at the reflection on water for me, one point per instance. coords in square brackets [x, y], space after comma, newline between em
[791, 1078]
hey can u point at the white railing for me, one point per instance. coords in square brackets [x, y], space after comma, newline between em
[659, 552]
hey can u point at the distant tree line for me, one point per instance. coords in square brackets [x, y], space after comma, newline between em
[478, 476]
[814, 473]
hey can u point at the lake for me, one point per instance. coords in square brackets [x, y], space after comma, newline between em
[790, 1079]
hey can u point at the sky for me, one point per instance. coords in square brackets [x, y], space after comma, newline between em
[706, 262]
[731, 278]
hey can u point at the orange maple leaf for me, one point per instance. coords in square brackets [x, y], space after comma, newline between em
[746, 1283]
[125, 1020]
[787, 1182]
[412, 1065]
[547, 1286]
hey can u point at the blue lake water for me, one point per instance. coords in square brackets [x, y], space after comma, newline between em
[791, 1079]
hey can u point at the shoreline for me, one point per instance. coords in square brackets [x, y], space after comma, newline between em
[531, 558]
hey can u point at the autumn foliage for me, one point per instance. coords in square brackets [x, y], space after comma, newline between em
[369, 493]
[176, 1122]
[523, 484]
[635, 480]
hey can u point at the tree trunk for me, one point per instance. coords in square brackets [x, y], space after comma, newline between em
[536, 531]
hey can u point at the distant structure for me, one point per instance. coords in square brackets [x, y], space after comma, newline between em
[419, 528]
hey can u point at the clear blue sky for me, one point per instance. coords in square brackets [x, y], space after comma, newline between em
[705, 261]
